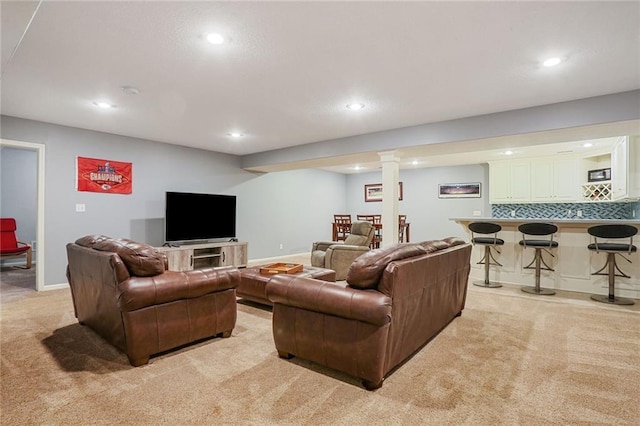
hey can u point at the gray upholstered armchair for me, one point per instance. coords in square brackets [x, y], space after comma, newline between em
[339, 255]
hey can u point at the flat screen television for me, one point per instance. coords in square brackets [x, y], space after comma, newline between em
[191, 217]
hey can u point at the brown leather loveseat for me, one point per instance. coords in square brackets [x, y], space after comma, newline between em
[122, 290]
[396, 300]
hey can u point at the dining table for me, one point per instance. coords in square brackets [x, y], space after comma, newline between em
[403, 233]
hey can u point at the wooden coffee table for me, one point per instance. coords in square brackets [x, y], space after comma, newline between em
[253, 284]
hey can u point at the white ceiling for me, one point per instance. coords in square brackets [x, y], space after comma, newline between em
[289, 68]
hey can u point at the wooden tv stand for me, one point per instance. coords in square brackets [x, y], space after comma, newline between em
[195, 256]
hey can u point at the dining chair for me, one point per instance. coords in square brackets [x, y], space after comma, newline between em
[376, 221]
[403, 229]
[341, 226]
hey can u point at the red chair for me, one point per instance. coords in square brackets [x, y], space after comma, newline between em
[10, 247]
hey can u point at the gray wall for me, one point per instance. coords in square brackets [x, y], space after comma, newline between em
[273, 209]
[18, 190]
[291, 208]
[428, 214]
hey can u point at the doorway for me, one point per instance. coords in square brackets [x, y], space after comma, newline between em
[39, 226]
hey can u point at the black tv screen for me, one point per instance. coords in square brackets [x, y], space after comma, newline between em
[189, 216]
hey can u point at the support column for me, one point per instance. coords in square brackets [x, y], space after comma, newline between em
[390, 178]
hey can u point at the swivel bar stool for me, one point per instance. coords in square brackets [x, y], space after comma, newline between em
[487, 228]
[538, 230]
[612, 232]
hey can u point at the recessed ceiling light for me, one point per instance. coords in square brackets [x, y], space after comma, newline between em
[104, 105]
[587, 144]
[357, 167]
[415, 162]
[508, 152]
[552, 62]
[235, 134]
[215, 38]
[130, 90]
[355, 106]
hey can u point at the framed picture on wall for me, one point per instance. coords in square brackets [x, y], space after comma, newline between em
[459, 190]
[373, 192]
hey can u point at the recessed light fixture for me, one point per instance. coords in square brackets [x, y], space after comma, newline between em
[508, 152]
[552, 62]
[104, 105]
[235, 134]
[355, 106]
[215, 38]
[357, 167]
[130, 90]
[587, 144]
[415, 162]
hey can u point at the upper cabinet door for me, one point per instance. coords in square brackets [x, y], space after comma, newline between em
[542, 179]
[520, 181]
[509, 182]
[555, 180]
[620, 169]
[499, 177]
[566, 180]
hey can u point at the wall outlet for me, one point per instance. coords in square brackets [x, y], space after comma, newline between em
[80, 208]
[477, 213]
[569, 212]
[579, 213]
[281, 246]
[513, 213]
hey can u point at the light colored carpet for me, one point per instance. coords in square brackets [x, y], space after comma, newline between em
[16, 283]
[507, 360]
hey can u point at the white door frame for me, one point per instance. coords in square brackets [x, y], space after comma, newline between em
[39, 148]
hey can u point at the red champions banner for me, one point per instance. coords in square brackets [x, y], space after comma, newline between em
[96, 175]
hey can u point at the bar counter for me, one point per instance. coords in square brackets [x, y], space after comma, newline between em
[573, 263]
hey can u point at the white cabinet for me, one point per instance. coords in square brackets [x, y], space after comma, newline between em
[620, 169]
[509, 181]
[555, 180]
[196, 256]
[625, 169]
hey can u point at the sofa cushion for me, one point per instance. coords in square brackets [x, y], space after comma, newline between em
[366, 270]
[434, 245]
[90, 240]
[142, 260]
[454, 241]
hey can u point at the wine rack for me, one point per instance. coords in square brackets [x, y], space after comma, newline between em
[597, 191]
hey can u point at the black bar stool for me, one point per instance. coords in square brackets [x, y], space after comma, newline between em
[487, 228]
[538, 230]
[612, 232]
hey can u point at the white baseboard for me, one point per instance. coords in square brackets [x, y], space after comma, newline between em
[278, 258]
[55, 286]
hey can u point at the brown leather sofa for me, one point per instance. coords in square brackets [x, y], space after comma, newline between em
[396, 300]
[122, 290]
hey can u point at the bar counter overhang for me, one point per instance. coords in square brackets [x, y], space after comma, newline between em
[573, 263]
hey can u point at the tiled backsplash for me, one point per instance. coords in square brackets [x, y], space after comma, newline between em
[568, 211]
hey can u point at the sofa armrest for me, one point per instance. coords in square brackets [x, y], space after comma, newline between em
[340, 257]
[323, 245]
[368, 306]
[140, 292]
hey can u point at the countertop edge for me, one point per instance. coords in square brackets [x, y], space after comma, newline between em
[521, 220]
